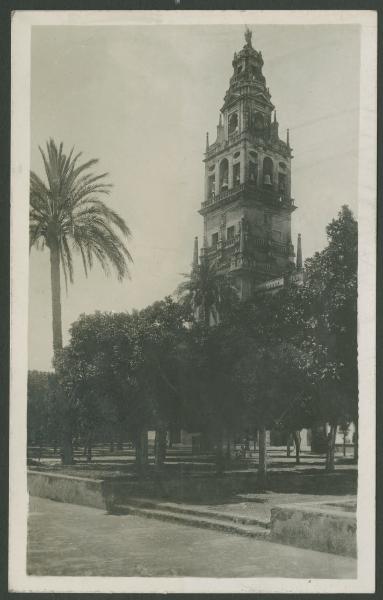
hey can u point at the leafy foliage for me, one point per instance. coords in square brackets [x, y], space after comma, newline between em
[43, 418]
[286, 360]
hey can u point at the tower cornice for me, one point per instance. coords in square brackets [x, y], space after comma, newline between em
[247, 194]
[278, 145]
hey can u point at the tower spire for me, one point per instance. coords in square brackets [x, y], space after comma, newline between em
[207, 141]
[299, 253]
[288, 138]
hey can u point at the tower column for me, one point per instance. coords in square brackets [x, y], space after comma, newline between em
[230, 175]
[275, 175]
[260, 169]
[242, 166]
[288, 180]
[216, 183]
[195, 253]
[206, 183]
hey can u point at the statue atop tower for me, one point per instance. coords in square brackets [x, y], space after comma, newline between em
[248, 36]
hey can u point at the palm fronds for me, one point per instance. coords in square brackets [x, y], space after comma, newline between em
[67, 212]
[206, 292]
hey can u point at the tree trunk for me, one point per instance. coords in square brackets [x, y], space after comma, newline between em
[330, 455]
[142, 450]
[356, 442]
[56, 298]
[160, 445]
[288, 446]
[262, 465]
[66, 447]
[228, 447]
[297, 442]
[219, 457]
[205, 309]
[89, 447]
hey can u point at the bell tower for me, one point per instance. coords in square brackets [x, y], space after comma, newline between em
[247, 206]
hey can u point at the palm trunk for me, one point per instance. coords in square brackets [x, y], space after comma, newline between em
[56, 298]
[330, 455]
[67, 448]
[262, 466]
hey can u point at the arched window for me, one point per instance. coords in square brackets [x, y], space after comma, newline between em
[236, 173]
[258, 123]
[282, 182]
[223, 175]
[253, 172]
[233, 123]
[253, 167]
[211, 185]
[267, 171]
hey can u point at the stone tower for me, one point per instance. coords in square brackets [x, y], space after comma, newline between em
[248, 205]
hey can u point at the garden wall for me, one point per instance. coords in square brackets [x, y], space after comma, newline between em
[105, 493]
[324, 526]
[67, 488]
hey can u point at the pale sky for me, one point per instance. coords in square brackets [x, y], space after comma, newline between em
[141, 98]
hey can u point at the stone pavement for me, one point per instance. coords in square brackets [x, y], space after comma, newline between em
[71, 540]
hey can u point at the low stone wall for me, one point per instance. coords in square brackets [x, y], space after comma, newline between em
[324, 526]
[105, 493]
[67, 488]
[187, 488]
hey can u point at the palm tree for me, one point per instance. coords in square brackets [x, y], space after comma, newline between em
[207, 292]
[66, 214]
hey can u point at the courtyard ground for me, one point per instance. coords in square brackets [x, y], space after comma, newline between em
[71, 540]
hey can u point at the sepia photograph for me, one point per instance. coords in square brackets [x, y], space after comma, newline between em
[193, 259]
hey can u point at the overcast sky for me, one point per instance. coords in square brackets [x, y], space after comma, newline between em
[141, 98]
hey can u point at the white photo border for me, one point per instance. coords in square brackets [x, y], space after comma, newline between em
[22, 22]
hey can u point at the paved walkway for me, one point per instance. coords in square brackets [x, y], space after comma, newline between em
[66, 539]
